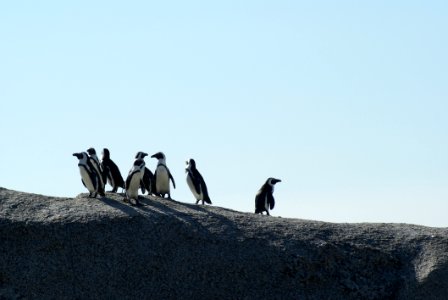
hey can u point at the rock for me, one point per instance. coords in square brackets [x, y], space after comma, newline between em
[80, 248]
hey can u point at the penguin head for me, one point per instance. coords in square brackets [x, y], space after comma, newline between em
[82, 156]
[272, 181]
[140, 155]
[158, 155]
[191, 165]
[78, 155]
[91, 151]
[106, 153]
[139, 165]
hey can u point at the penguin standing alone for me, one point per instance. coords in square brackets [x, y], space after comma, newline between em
[133, 181]
[89, 177]
[111, 171]
[97, 168]
[162, 176]
[196, 183]
[264, 200]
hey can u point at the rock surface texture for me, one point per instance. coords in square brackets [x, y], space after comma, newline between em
[80, 248]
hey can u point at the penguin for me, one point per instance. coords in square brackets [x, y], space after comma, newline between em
[196, 183]
[147, 183]
[264, 200]
[162, 176]
[89, 177]
[133, 181]
[111, 171]
[97, 168]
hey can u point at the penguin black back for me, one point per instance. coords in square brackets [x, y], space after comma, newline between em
[111, 171]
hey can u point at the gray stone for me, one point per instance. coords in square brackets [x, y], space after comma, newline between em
[80, 248]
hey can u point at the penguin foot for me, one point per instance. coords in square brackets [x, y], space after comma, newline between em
[134, 202]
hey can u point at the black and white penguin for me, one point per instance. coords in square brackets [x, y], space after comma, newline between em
[147, 183]
[89, 177]
[97, 168]
[133, 181]
[162, 176]
[111, 171]
[264, 200]
[196, 183]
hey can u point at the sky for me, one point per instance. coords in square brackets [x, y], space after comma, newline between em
[345, 101]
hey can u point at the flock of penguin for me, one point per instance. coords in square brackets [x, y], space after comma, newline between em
[95, 174]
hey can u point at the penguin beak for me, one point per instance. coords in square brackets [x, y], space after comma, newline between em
[145, 154]
[77, 155]
[276, 181]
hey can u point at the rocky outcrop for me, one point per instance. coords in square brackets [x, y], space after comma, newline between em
[80, 248]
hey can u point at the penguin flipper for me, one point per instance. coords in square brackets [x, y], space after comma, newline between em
[82, 180]
[154, 183]
[172, 179]
[271, 201]
[142, 186]
[128, 181]
[148, 178]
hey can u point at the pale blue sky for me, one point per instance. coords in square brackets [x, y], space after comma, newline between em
[345, 101]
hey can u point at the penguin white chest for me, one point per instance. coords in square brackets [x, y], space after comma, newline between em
[193, 189]
[132, 190]
[162, 180]
[86, 179]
